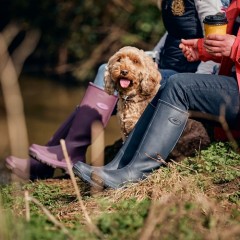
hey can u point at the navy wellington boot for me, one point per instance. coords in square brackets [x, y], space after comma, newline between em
[160, 137]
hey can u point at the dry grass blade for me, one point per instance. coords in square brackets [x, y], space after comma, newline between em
[26, 194]
[97, 147]
[97, 150]
[4, 231]
[91, 226]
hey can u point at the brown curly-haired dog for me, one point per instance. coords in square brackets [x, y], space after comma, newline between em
[135, 76]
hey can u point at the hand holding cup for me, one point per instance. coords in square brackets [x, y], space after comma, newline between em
[219, 45]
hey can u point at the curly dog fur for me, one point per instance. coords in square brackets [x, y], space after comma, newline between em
[135, 76]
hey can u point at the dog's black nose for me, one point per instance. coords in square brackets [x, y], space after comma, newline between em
[124, 72]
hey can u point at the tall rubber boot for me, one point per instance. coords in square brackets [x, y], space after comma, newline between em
[162, 134]
[97, 105]
[124, 155]
[33, 169]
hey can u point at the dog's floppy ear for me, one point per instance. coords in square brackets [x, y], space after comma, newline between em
[109, 83]
[151, 77]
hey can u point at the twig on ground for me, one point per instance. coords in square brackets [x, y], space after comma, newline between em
[89, 223]
[181, 165]
[158, 159]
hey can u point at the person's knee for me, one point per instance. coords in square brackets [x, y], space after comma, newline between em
[99, 79]
[178, 79]
[175, 83]
[174, 90]
[102, 68]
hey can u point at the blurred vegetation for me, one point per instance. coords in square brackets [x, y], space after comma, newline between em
[77, 36]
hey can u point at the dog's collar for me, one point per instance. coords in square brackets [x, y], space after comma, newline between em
[126, 98]
[129, 98]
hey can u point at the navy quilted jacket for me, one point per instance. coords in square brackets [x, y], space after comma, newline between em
[186, 26]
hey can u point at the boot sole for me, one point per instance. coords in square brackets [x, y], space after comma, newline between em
[85, 178]
[34, 155]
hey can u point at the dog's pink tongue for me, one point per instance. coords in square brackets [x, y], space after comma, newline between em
[124, 83]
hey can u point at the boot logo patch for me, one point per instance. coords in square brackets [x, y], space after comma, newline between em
[102, 106]
[174, 121]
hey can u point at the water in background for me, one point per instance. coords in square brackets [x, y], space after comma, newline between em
[47, 104]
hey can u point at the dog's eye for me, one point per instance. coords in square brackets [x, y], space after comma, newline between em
[119, 60]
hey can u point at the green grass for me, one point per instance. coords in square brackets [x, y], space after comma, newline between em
[219, 162]
[197, 198]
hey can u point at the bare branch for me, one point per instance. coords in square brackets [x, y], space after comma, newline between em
[10, 32]
[14, 104]
[25, 49]
[10, 68]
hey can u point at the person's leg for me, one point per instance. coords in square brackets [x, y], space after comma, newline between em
[34, 169]
[99, 79]
[183, 92]
[96, 105]
[203, 93]
[166, 73]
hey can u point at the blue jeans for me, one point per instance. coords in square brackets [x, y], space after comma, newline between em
[203, 93]
[166, 73]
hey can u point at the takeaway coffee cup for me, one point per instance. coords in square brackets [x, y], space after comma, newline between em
[215, 24]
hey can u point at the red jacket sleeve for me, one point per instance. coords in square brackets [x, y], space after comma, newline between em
[205, 56]
[235, 51]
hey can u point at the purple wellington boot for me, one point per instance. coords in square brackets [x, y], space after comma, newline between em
[97, 105]
[33, 169]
